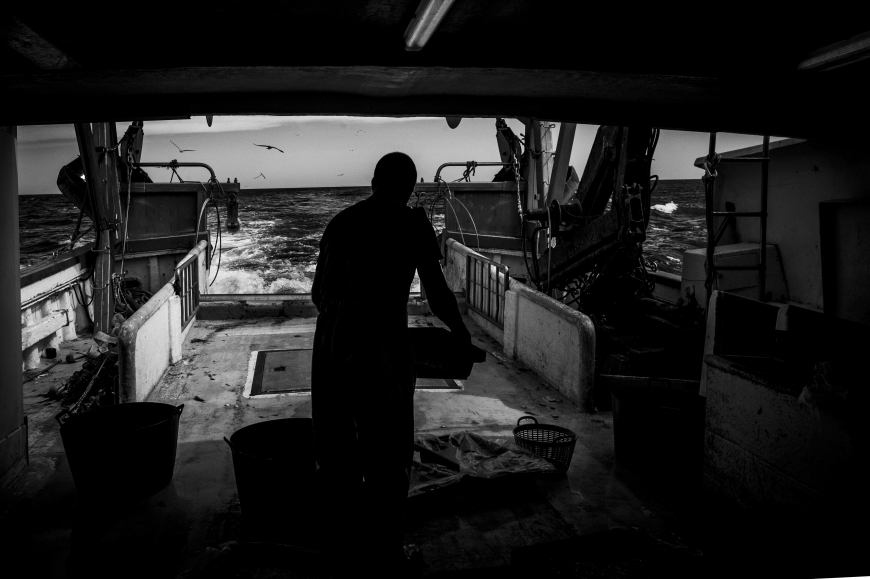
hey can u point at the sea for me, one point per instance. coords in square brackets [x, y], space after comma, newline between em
[275, 250]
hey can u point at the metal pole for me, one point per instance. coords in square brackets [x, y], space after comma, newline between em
[468, 164]
[711, 242]
[765, 152]
[175, 165]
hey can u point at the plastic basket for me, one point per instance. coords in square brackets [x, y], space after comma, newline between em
[555, 443]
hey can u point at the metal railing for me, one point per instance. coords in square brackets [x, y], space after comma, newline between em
[187, 286]
[470, 165]
[486, 283]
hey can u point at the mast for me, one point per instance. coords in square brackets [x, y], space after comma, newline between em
[13, 425]
[99, 162]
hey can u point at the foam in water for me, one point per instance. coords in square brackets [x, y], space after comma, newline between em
[668, 207]
[231, 281]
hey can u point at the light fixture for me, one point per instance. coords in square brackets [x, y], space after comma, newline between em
[427, 18]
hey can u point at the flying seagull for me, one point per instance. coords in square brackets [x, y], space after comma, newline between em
[269, 147]
[260, 175]
[180, 150]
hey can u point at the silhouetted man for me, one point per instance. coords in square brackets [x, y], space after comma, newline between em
[362, 379]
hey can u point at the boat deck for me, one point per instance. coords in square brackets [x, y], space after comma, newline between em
[200, 507]
[591, 498]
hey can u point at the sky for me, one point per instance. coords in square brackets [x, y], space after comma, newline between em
[329, 151]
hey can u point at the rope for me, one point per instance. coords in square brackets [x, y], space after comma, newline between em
[219, 235]
[88, 389]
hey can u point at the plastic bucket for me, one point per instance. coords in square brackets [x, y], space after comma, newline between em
[660, 431]
[274, 466]
[126, 450]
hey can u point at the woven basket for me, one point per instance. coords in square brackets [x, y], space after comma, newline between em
[548, 441]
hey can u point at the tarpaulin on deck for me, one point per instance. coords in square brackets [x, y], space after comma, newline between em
[463, 454]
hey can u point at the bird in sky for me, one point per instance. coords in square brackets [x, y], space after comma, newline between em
[340, 174]
[269, 147]
[180, 150]
[260, 175]
[360, 131]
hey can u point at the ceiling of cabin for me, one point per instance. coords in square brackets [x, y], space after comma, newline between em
[565, 61]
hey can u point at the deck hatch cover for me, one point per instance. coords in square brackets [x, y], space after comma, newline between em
[282, 371]
[289, 371]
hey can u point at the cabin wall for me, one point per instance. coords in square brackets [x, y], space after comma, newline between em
[13, 433]
[801, 176]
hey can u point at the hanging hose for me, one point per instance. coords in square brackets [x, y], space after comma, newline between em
[473, 224]
[218, 236]
[446, 200]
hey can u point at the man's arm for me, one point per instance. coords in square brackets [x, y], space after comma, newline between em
[442, 302]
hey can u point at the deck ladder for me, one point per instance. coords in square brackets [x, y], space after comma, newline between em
[712, 238]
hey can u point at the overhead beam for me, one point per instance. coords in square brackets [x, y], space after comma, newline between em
[838, 54]
[806, 106]
[26, 42]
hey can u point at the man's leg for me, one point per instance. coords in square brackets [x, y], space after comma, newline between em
[385, 427]
[339, 474]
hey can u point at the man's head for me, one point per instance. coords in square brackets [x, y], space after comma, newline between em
[395, 175]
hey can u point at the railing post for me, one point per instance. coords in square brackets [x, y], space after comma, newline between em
[468, 278]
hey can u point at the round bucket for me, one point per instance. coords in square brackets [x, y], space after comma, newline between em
[660, 431]
[125, 450]
[274, 466]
